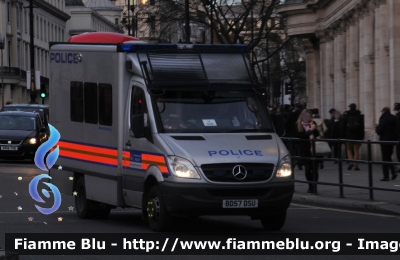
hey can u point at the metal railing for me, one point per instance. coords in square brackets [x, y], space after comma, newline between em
[291, 142]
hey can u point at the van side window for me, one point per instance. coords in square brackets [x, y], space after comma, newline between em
[90, 96]
[76, 102]
[105, 104]
[138, 105]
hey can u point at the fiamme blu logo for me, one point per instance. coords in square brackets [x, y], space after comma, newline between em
[40, 163]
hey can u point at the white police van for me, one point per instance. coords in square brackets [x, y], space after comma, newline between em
[173, 130]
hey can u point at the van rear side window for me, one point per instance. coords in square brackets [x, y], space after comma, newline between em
[76, 94]
[90, 104]
[105, 104]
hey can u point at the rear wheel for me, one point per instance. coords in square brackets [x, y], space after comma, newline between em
[83, 205]
[156, 212]
[274, 221]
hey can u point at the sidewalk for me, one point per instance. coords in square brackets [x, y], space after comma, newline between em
[386, 202]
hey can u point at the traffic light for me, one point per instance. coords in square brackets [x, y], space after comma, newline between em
[43, 92]
[288, 89]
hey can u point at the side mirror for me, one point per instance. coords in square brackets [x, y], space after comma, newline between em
[137, 125]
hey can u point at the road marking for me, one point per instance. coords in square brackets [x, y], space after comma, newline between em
[348, 211]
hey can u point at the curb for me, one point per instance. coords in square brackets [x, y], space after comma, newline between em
[342, 203]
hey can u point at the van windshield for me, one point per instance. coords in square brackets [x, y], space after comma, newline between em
[216, 111]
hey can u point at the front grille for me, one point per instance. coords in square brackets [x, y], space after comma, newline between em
[238, 192]
[12, 142]
[223, 172]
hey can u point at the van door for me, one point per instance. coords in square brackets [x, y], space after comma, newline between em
[136, 149]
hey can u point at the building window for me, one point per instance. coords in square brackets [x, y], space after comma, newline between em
[45, 31]
[26, 21]
[90, 102]
[37, 27]
[8, 12]
[105, 104]
[76, 101]
[9, 53]
[18, 17]
[153, 22]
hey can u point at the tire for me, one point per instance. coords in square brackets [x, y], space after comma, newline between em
[274, 222]
[158, 217]
[84, 207]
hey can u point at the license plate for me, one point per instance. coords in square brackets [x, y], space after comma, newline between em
[240, 204]
[9, 148]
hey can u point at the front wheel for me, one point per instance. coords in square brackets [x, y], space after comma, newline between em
[274, 221]
[156, 212]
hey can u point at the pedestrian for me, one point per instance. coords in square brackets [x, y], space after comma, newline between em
[277, 120]
[386, 129]
[396, 110]
[336, 134]
[352, 128]
[291, 126]
[329, 123]
[307, 129]
[321, 127]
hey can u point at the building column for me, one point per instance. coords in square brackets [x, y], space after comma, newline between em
[317, 81]
[367, 76]
[339, 82]
[7, 92]
[310, 57]
[322, 74]
[14, 51]
[394, 49]
[382, 68]
[329, 75]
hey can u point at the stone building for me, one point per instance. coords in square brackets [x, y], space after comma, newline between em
[352, 53]
[50, 20]
[92, 16]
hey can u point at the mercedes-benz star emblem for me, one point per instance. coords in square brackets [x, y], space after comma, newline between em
[239, 172]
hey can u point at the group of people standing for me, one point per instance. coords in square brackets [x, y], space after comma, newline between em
[306, 124]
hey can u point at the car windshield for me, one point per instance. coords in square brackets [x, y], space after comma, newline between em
[40, 111]
[17, 123]
[217, 111]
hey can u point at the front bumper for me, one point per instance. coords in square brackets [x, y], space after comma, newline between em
[206, 199]
[25, 151]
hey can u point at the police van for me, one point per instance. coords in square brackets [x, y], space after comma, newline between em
[173, 130]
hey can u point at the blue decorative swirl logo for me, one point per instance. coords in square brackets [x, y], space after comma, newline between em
[34, 194]
[45, 147]
[50, 161]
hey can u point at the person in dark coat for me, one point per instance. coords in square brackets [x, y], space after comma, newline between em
[386, 129]
[306, 128]
[335, 133]
[277, 120]
[353, 128]
[397, 110]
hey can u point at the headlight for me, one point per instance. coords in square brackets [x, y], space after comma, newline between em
[285, 168]
[31, 140]
[182, 168]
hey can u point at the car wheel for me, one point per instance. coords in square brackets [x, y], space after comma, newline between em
[274, 222]
[158, 217]
[84, 207]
